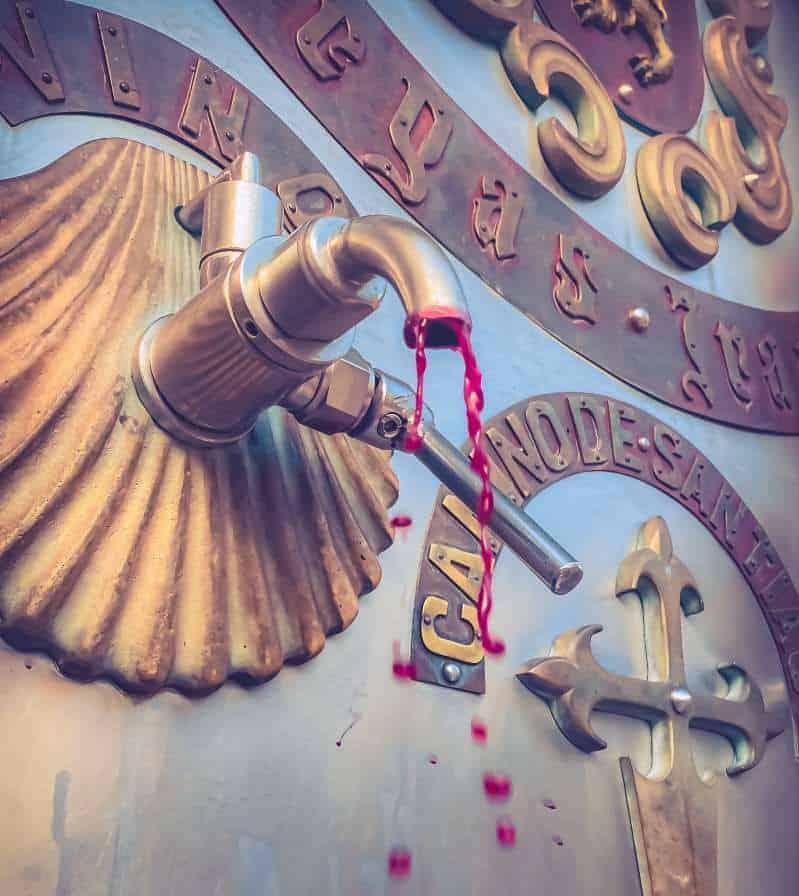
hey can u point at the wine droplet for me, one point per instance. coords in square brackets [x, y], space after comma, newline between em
[399, 862]
[479, 731]
[497, 787]
[402, 669]
[506, 831]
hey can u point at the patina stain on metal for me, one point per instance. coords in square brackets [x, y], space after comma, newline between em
[440, 175]
[672, 809]
[540, 441]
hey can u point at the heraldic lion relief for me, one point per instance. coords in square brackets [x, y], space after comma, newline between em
[648, 16]
[399, 429]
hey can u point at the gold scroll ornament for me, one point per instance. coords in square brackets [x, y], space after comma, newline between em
[123, 553]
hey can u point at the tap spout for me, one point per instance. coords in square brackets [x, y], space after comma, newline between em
[414, 264]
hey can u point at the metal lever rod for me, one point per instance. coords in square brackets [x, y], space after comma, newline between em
[554, 565]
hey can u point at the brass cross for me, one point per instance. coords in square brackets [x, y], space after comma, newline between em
[672, 810]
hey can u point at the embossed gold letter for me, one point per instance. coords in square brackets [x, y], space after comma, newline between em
[671, 168]
[740, 81]
[539, 61]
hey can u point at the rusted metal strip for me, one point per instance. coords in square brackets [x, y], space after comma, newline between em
[542, 440]
[103, 64]
[694, 350]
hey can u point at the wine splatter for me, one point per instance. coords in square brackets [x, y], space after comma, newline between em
[417, 336]
[399, 862]
[402, 669]
[506, 831]
[479, 731]
[497, 787]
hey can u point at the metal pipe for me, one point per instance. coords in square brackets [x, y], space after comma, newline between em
[553, 564]
[412, 262]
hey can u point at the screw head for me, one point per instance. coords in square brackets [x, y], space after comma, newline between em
[639, 319]
[681, 700]
[208, 79]
[47, 78]
[643, 443]
[390, 425]
[229, 135]
[625, 92]
[451, 672]
[124, 86]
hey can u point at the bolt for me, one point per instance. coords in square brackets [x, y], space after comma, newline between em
[124, 86]
[229, 135]
[208, 79]
[47, 78]
[681, 700]
[643, 443]
[390, 425]
[639, 319]
[625, 93]
[112, 30]
[451, 672]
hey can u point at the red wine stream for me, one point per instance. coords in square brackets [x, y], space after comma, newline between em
[417, 336]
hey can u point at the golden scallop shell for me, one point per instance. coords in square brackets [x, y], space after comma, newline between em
[123, 553]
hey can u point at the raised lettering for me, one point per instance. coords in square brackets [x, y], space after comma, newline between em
[204, 101]
[693, 489]
[518, 453]
[118, 61]
[497, 212]
[667, 445]
[621, 438]
[325, 50]
[774, 372]
[761, 553]
[421, 114]
[35, 61]
[736, 359]
[569, 272]
[593, 448]
[560, 455]
[435, 608]
[723, 513]
[463, 568]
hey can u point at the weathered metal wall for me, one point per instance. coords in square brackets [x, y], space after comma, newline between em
[246, 791]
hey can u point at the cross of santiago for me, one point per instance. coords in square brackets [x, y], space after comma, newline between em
[672, 809]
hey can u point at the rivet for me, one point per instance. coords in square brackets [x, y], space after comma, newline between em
[112, 30]
[306, 39]
[441, 556]
[356, 38]
[292, 207]
[639, 319]
[124, 86]
[643, 443]
[30, 13]
[760, 63]
[427, 620]
[47, 78]
[208, 79]
[387, 166]
[229, 135]
[451, 672]
[626, 93]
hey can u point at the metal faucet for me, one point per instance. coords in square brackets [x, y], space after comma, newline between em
[273, 324]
